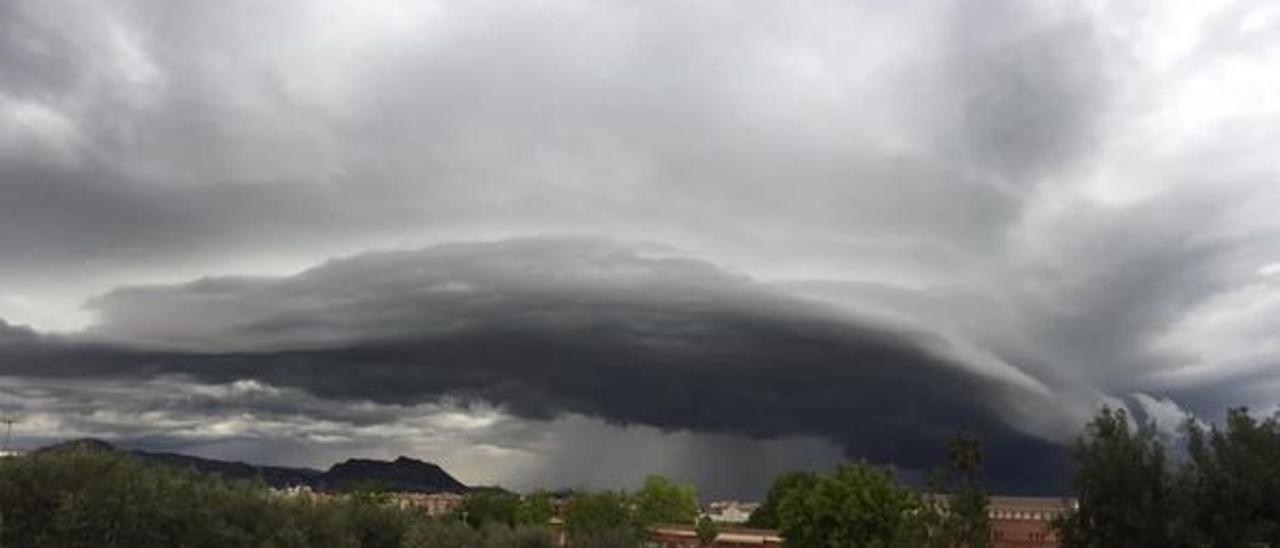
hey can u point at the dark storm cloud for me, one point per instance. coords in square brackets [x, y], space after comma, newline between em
[1099, 312]
[1073, 199]
[547, 327]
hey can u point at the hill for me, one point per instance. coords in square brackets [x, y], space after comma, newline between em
[403, 474]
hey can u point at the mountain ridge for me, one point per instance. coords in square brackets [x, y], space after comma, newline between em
[404, 474]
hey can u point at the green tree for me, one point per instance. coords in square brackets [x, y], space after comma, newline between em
[1230, 484]
[489, 506]
[535, 509]
[661, 500]
[372, 490]
[600, 518]
[766, 516]
[528, 536]
[443, 534]
[967, 523]
[707, 531]
[375, 522]
[855, 506]
[1123, 485]
[617, 537]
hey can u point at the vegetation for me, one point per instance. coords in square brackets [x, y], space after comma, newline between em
[1123, 486]
[855, 506]
[957, 515]
[661, 500]
[619, 537]
[766, 516]
[1230, 487]
[96, 499]
[1226, 493]
[456, 534]
[601, 519]
[707, 531]
[535, 509]
[490, 506]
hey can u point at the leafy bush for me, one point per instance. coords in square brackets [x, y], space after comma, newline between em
[457, 534]
[443, 534]
[606, 537]
[599, 514]
[487, 506]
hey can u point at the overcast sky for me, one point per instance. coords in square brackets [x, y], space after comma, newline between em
[568, 243]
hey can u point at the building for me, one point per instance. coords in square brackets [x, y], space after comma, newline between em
[1026, 522]
[1021, 522]
[685, 536]
[732, 512]
[303, 492]
[434, 504]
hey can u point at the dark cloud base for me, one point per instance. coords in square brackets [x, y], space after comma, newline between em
[671, 343]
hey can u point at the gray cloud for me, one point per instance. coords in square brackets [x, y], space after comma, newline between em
[251, 421]
[379, 135]
[1074, 200]
[549, 327]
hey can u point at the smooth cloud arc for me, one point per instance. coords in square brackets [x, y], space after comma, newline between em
[544, 327]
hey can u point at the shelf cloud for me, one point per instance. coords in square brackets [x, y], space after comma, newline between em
[724, 224]
[545, 328]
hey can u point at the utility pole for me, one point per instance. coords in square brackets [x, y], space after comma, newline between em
[8, 419]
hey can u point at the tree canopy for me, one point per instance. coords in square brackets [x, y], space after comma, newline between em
[95, 499]
[855, 506]
[489, 506]
[596, 513]
[707, 531]
[967, 521]
[661, 500]
[534, 509]
[766, 516]
[1123, 486]
[1225, 494]
[1230, 484]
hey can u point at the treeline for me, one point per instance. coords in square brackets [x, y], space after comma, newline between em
[861, 505]
[592, 519]
[1221, 490]
[94, 499]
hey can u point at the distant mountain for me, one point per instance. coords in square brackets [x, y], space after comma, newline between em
[85, 444]
[403, 474]
[274, 476]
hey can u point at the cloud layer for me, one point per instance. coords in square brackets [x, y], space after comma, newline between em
[547, 328]
[1052, 204]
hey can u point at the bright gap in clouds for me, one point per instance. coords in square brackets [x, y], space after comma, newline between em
[481, 445]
